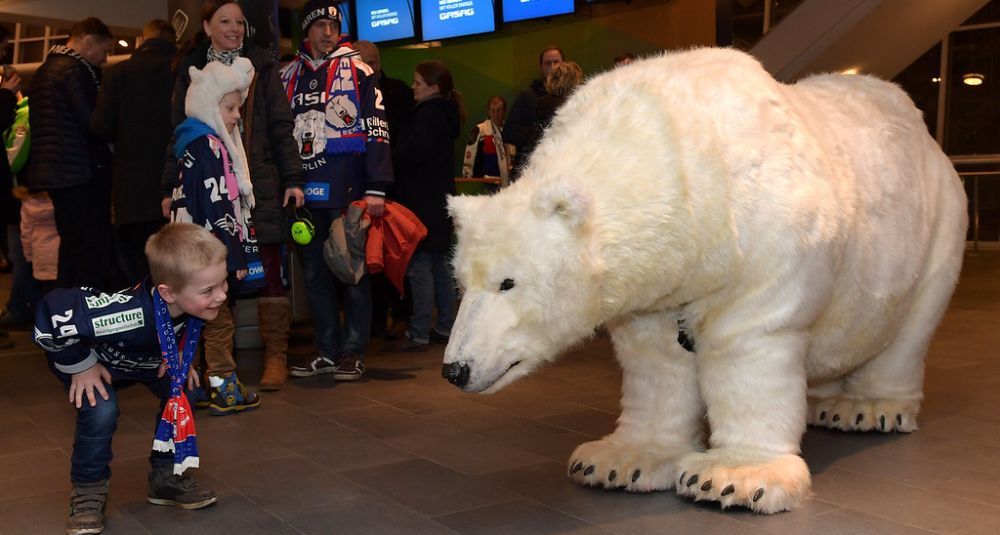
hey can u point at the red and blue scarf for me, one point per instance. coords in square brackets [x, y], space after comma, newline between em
[176, 431]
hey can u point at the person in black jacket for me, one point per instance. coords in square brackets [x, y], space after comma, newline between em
[16, 312]
[521, 129]
[276, 173]
[424, 154]
[133, 113]
[68, 160]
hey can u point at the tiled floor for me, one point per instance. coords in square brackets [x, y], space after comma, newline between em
[405, 452]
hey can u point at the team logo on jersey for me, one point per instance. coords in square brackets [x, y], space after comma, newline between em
[341, 112]
[313, 84]
[102, 300]
[310, 134]
[119, 322]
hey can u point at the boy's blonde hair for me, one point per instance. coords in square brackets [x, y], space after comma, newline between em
[178, 250]
[563, 78]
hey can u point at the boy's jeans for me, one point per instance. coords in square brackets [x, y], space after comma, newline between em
[95, 425]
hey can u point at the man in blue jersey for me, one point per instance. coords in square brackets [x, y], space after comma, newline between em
[343, 138]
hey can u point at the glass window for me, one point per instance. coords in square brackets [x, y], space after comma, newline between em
[31, 30]
[32, 52]
[972, 93]
[921, 81]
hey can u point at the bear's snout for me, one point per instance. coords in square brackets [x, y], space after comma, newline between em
[457, 373]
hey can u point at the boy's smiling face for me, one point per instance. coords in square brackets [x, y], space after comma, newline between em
[204, 293]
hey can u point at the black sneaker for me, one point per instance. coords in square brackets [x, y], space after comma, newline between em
[86, 508]
[167, 488]
[319, 364]
[349, 367]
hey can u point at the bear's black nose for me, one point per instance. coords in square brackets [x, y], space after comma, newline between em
[457, 373]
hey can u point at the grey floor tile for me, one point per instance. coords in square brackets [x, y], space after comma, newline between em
[231, 514]
[276, 483]
[23, 436]
[589, 422]
[521, 517]
[429, 488]
[373, 514]
[34, 473]
[345, 449]
[464, 452]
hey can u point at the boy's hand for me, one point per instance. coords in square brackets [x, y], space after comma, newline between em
[241, 274]
[85, 382]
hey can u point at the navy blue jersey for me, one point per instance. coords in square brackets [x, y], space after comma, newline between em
[79, 327]
[340, 128]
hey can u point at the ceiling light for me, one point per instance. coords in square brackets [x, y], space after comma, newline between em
[936, 80]
[123, 43]
[852, 70]
[973, 78]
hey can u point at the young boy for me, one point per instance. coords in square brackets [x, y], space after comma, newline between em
[214, 191]
[97, 343]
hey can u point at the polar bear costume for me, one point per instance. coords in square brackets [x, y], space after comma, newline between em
[807, 237]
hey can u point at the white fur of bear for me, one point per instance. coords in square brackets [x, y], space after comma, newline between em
[809, 236]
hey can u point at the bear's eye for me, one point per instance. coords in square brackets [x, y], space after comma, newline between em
[507, 284]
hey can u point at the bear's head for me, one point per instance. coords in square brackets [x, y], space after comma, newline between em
[530, 283]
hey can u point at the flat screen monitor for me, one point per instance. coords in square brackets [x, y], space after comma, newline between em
[514, 10]
[441, 19]
[347, 16]
[385, 20]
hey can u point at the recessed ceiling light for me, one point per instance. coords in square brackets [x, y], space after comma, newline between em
[852, 70]
[973, 78]
[123, 43]
[936, 79]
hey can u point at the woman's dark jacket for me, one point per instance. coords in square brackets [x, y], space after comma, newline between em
[424, 157]
[274, 158]
[133, 113]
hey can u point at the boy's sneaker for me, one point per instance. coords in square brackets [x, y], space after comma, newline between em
[319, 364]
[229, 396]
[349, 367]
[86, 508]
[198, 398]
[167, 488]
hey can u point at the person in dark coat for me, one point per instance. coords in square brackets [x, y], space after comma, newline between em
[521, 129]
[16, 312]
[133, 113]
[424, 154]
[70, 161]
[276, 174]
[397, 96]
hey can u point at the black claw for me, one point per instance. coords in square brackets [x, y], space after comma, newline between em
[692, 480]
[836, 417]
[707, 486]
[899, 420]
[576, 468]
[822, 416]
[728, 490]
[612, 475]
[858, 419]
[683, 475]
[589, 470]
[635, 475]
[881, 422]
[758, 495]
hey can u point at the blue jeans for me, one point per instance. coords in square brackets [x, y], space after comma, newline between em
[96, 425]
[326, 293]
[24, 289]
[431, 284]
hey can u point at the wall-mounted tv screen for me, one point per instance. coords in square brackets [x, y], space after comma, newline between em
[385, 20]
[532, 9]
[346, 24]
[441, 19]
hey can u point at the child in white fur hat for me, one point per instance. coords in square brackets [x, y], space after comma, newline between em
[214, 191]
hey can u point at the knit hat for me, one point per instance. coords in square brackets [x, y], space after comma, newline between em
[207, 88]
[321, 9]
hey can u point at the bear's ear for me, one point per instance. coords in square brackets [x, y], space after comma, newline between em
[563, 200]
[462, 208]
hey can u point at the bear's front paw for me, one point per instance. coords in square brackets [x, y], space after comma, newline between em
[764, 485]
[885, 415]
[611, 464]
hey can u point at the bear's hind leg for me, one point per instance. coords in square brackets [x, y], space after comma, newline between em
[885, 393]
[661, 418]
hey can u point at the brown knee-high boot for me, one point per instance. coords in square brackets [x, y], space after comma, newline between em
[274, 314]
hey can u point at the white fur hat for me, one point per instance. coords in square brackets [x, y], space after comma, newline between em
[207, 88]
